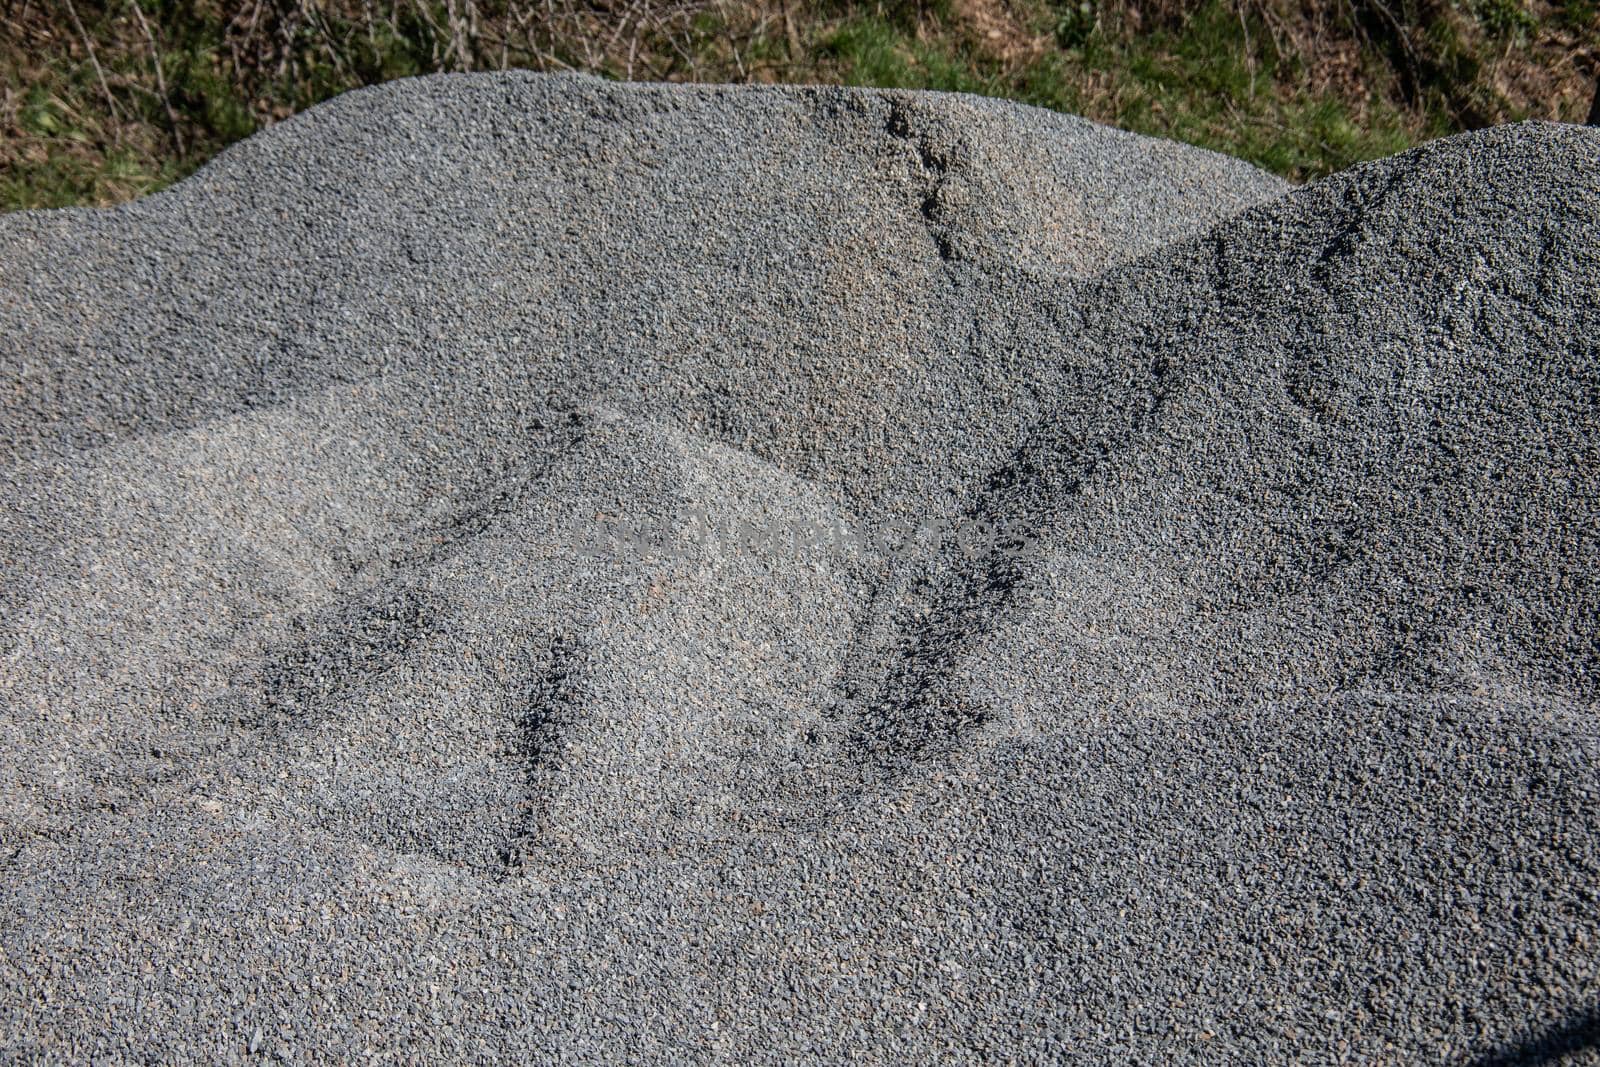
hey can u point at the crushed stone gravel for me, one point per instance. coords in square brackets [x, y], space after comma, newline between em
[507, 567]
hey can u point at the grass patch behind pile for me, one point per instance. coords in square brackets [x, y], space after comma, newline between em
[104, 101]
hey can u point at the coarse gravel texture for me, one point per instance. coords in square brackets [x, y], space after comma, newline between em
[524, 568]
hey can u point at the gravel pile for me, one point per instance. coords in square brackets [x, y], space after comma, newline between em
[513, 566]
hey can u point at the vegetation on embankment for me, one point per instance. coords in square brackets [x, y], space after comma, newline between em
[105, 100]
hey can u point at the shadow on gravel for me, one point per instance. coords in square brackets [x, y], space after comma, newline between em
[538, 721]
[330, 654]
[1581, 1033]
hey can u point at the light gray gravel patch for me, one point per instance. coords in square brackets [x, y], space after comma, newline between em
[506, 568]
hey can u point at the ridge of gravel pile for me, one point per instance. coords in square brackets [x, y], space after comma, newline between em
[508, 566]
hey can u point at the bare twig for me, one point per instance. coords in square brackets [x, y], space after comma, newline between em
[94, 60]
[791, 36]
[246, 29]
[433, 30]
[676, 42]
[1249, 53]
[288, 27]
[315, 20]
[733, 46]
[1401, 35]
[462, 26]
[161, 79]
[67, 109]
[622, 24]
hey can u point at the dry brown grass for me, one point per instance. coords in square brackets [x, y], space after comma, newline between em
[102, 100]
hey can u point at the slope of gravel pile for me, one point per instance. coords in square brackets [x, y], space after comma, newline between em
[507, 566]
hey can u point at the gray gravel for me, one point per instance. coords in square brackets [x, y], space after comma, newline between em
[512, 566]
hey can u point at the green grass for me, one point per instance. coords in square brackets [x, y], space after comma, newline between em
[1209, 72]
[1214, 83]
[68, 181]
[1218, 83]
[873, 52]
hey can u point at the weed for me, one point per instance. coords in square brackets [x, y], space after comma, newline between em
[117, 100]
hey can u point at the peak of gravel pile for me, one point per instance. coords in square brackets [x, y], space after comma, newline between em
[511, 566]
